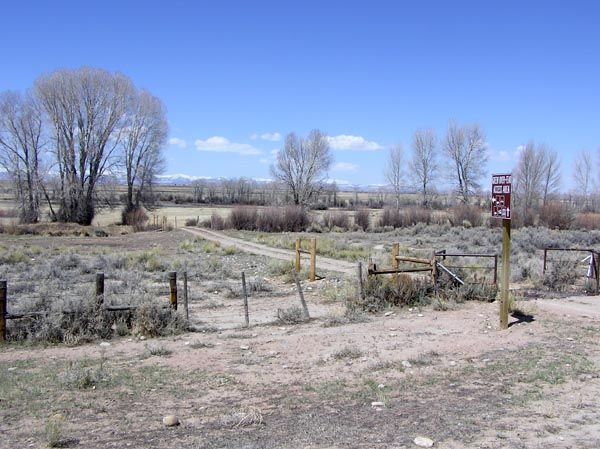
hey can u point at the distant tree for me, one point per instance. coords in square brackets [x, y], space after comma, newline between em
[394, 172]
[582, 175]
[530, 179]
[423, 163]
[302, 165]
[144, 136]
[465, 148]
[21, 151]
[551, 175]
[86, 109]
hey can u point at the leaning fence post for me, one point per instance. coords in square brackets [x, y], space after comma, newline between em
[185, 296]
[302, 301]
[246, 315]
[313, 260]
[100, 289]
[395, 254]
[297, 265]
[3, 311]
[173, 288]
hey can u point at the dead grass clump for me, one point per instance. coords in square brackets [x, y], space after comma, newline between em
[191, 222]
[556, 215]
[348, 352]
[217, 222]
[244, 417]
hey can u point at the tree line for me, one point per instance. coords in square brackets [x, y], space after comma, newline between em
[60, 138]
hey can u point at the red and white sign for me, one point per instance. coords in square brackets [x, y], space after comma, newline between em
[501, 190]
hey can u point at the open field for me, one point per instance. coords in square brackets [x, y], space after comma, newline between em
[338, 381]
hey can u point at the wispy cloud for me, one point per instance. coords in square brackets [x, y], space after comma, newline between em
[345, 166]
[177, 142]
[271, 137]
[219, 144]
[352, 143]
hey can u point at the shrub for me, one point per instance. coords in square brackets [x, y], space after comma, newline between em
[390, 217]
[191, 222]
[556, 215]
[466, 215]
[560, 275]
[243, 218]
[135, 217]
[217, 222]
[286, 219]
[291, 315]
[337, 220]
[587, 221]
[153, 320]
[362, 218]
[381, 293]
[414, 215]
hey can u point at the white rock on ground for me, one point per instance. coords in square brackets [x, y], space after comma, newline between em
[171, 421]
[424, 442]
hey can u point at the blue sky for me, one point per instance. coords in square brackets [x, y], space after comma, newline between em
[237, 75]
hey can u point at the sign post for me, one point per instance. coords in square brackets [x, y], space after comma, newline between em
[501, 192]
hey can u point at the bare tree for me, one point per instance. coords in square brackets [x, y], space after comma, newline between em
[423, 163]
[465, 148]
[582, 175]
[394, 173]
[302, 165]
[21, 151]
[551, 175]
[143, 140]
[86, 109]
[529, 181]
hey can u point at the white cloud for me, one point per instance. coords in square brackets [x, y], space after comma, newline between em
[271, 137]
[353, 143]
[345, 166]
[177, 142]
[221, 144]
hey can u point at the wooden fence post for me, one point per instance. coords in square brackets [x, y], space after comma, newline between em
[302, 301]
[361, 286]
[246, 315]
[100, 289]
[185, 296]
[173, 288]
[395, 254]
[298, 248]
[313, 260]
[3, 310]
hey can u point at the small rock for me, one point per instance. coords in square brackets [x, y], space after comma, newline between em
[187, 343]
[142, 338]
[104, 343]
[381, 386]
[244, 348]
[420, 314]
[171, 421]
[377, 404]
[424, 442]
[388, 313]
[406, 364]
[452, 363]
[12, 368]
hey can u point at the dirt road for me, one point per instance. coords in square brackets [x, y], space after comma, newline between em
[323, 263]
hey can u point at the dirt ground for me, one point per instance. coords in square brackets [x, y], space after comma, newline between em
[380, 382]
